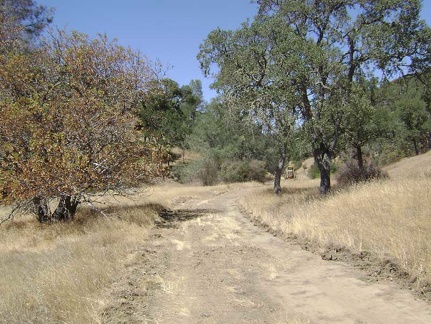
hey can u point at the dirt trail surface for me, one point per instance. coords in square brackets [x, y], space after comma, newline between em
[207, 263]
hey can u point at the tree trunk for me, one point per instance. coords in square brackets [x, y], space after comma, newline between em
[66, 208]
[360, 157]
[415, 144]
[323, 160]
[41, 209]
[72, 205]
[278, 172]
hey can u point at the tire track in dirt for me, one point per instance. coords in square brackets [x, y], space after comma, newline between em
[209, 264]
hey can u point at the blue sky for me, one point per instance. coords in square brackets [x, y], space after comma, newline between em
[168, 30]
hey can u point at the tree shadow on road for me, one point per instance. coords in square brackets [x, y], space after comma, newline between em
[171, 218]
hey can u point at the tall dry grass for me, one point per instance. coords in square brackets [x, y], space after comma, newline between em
[391, 218]
[58, 273]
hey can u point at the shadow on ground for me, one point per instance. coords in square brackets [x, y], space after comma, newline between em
[171, 218]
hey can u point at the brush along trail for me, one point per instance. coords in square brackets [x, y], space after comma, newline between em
[206, 262]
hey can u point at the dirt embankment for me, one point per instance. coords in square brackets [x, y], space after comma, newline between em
[207, 263]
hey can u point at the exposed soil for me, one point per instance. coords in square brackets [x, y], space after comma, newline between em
[206, 262]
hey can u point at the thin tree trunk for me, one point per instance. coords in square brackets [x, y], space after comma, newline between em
[278, 173]
[323, 160]
[415, 144]
[41, 209]
[72, 205]
[360, 157]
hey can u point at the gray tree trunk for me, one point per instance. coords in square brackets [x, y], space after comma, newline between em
[323, 160]
[360, 157]
[41, 209]
[278, 173]
[66, 208]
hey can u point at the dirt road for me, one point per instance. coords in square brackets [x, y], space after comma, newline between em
[210, 264]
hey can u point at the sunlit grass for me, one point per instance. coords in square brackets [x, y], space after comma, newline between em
[59, 273]
[391, 218]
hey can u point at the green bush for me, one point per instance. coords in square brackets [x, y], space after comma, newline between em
[256, 171]
[313, 171]
[233, 171]
[242, 171]
[185, 172]
[208, 172]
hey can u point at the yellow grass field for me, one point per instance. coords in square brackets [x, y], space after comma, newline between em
[391, 218]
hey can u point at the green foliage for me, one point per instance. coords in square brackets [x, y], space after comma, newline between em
[169, 113]
[231, 134]
[208, 172]
[231, 148]
[243, 171]
[211, 170]
[303, 64]
[402, 115]
[314, 172]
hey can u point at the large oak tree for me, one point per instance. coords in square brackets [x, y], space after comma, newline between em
[69, 112]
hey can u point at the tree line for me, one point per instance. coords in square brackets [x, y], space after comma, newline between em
[321, 69]
[322, 78]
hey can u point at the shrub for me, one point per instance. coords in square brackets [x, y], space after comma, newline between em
[256, 171]
[209, 171]
[242, 171]
[313, 171]
[233, 171]
[186, 172]
[350, 173]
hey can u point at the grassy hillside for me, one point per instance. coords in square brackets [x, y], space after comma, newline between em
[391, 219]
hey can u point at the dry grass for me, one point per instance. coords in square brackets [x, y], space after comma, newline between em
[60, 273]
[57, 273]
[391, 218]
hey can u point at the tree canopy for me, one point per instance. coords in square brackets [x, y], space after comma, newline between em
[303, 59]
[69, 114]
[169, 113]
[23, 19]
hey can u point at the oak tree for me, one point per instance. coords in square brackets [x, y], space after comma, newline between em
[307, 56]
[69, 115]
